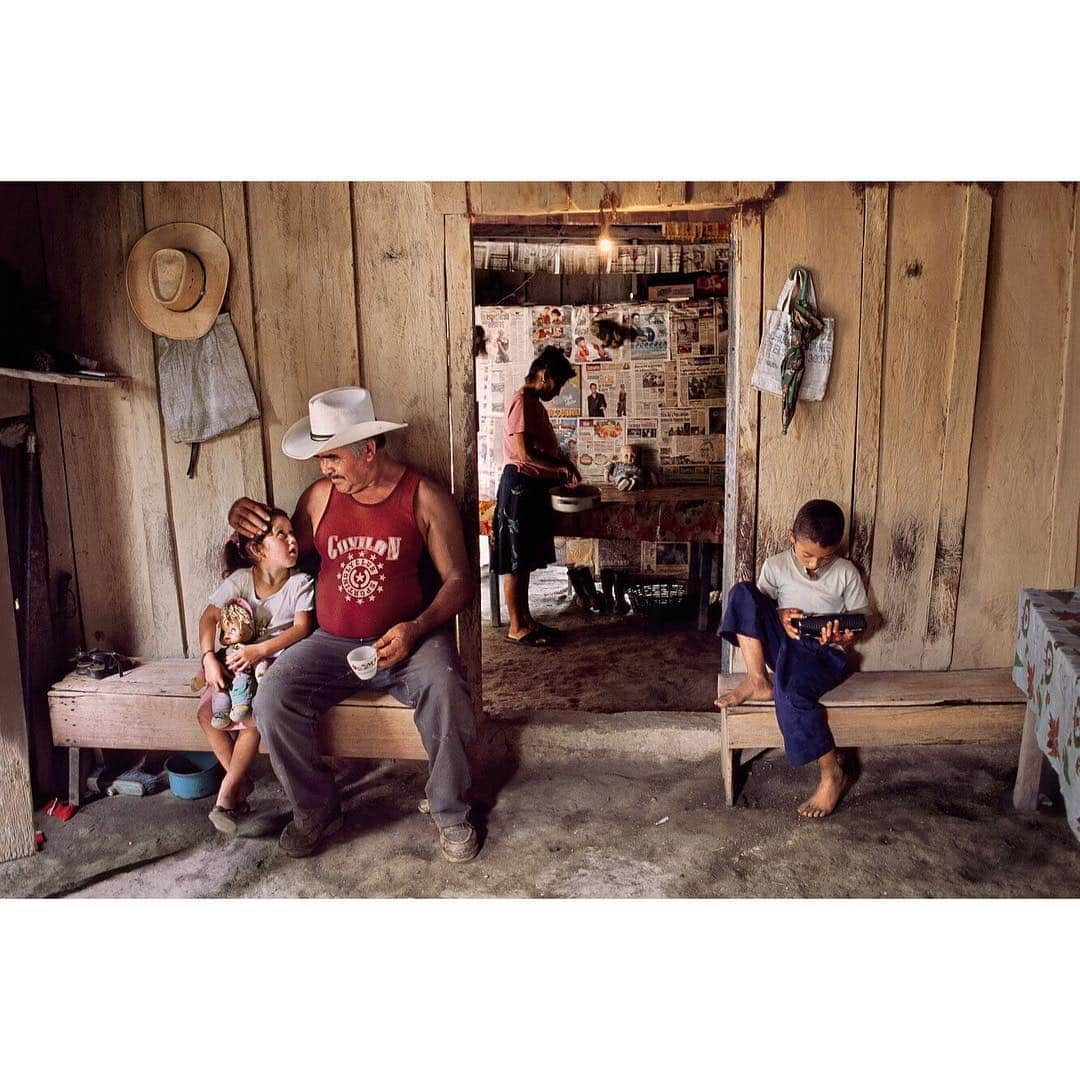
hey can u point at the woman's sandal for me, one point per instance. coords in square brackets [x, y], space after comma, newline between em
[226, 819]
[535, 635]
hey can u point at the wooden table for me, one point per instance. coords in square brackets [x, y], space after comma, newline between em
[1046, 667]
[688, 514]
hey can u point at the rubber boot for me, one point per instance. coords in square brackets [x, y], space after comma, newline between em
[607, 591]
[622, 605]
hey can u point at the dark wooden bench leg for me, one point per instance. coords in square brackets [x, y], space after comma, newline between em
[74, 775]
[704, 584]
[496, 602]
[727, 762]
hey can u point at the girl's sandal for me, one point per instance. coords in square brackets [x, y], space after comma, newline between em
[227, 819]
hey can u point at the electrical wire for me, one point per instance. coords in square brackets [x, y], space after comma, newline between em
[517, 290]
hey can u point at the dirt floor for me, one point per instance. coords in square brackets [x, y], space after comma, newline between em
[606, 663]
[598, 778]
[920, 822]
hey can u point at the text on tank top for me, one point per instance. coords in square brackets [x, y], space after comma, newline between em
[369, 562]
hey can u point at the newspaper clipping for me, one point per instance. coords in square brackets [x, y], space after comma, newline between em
[506, 334]
[666, 559]
[651, 322]
[588, 348]
[599, 443]
[550, 326]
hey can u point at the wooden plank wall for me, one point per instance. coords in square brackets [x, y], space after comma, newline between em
[952, 407]
[819, 226]
[949, 431]
[330, 284]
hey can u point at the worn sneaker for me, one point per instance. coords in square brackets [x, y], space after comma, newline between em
[302, 836]
[459, 842]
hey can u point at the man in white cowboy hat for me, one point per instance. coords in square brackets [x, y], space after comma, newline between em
[372, 522]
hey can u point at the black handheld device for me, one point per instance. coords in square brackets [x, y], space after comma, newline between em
[810, 626]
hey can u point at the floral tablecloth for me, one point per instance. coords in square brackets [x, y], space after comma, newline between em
[1047, 668]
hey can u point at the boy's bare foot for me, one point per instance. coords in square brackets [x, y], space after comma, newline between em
[829, 791]
[752, 688]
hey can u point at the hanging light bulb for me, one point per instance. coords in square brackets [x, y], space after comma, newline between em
[604, 242]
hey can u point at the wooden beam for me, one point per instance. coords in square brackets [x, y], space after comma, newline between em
[819, 226]
[533, 198]
[1014, 453]
[1063, 567]
[231, 464]
[463, 433]
[401, 293]
[303, 289]
[147, 456]
[16, 803]
[871, 350]
[450, 197]
[112, 441]
[741, 450]
[923, 261]
[964, 349]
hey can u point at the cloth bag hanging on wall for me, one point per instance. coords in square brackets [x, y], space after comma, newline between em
[777, 340]
[205, 388]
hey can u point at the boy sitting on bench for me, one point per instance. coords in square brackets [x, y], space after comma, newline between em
[809, 578]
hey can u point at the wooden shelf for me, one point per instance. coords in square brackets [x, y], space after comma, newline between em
[78, 379]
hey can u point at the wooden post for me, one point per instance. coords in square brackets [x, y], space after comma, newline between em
[1064, 558]
[964, 350]
[16, 803]
[741, 464]
[461, 389]
[1029, 767]
[871, 350]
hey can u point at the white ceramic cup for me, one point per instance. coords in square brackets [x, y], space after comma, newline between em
[364, 661]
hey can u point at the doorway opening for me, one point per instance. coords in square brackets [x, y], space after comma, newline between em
[631, 585]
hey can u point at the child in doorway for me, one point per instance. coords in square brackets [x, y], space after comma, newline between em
[260, 573]
[809, 578]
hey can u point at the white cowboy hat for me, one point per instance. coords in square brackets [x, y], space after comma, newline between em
[335, 418]
[176, 278]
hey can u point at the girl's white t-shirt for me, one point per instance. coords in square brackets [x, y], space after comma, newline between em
[273, 614]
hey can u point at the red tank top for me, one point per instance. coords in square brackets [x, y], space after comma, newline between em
[369, 576]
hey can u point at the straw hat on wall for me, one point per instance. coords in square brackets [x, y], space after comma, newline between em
[176, 278]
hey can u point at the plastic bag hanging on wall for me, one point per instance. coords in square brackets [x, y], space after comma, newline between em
[205, 388]
[795, 353]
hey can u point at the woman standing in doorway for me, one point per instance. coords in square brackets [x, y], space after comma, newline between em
[523, 538]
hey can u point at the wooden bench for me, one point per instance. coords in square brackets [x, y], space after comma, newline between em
[152, 707]
[888, 708]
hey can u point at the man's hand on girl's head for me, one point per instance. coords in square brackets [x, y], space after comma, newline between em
[248, 517]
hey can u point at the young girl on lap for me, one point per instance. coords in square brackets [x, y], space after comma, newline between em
[260, 572]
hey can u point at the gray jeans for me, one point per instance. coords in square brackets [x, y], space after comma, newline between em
[312, 675]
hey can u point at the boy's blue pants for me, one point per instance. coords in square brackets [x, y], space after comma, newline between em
[802, 671]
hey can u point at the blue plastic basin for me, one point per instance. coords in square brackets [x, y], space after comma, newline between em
[193, 775]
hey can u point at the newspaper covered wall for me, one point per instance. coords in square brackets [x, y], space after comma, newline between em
[664, 391]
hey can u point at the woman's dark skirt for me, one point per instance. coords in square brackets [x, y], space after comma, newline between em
[522, 531]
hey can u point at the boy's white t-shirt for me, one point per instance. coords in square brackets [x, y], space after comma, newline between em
[273, 614]
[836, 587]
